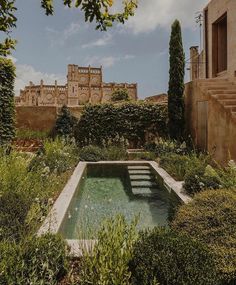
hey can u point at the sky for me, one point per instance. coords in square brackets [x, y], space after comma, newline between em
[134, 52]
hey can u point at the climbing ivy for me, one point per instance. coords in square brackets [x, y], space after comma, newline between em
[7, 110]
[131, 121]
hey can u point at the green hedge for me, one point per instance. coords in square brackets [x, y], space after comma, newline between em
[7, 111]
[102, 123]
[211, 219]
[164, 257]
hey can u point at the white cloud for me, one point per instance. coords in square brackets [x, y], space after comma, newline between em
[153, 13]
[26, 73]
[60, 37]
[106, 61]
[104, 41]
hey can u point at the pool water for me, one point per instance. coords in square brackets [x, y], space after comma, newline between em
[108, 190]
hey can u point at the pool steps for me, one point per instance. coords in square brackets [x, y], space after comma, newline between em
[142, 180]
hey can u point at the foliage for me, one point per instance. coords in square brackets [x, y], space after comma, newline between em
[176, 83]
[142, 156]
[197, 179]
[98, 11]
[36, 261]
[96, 153]
[92, 153]
[101, 123]
[7, 112]
[178, 165]
[30, 134]
[65, 123]
[164, 147]
[57, 156]
[7, 22]
[25, 196]
[120, 95]
[108, 261]
[14, 209]
[211, 219]
[168, 257]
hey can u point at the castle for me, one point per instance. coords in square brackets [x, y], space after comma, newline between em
[84, 85]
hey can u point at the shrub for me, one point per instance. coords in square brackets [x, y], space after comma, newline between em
[65, 123]
[178, 165]
[167, 257]
[30, 134]
[39, 260]
[164, 147]
[14, 209]
[57, 156]
[100, 124]
[92, 153]
[7, 111]
[120, 95]
[197, 179]
[211, 219]
[116, 153]
[108, 261]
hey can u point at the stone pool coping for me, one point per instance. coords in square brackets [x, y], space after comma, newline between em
[56, 216]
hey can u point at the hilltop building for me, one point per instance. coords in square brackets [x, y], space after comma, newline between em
[84, 85]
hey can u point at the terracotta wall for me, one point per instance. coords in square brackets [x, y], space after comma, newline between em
[221, 126]
[40, 118]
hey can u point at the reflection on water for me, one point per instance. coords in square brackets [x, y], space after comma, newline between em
[106, 191]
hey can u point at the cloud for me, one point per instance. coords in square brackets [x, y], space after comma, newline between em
[60, 37]
[153, 13]
[106, 61]
[104, 41]
[26, 73]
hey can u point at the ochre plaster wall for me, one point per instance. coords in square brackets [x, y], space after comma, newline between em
[39, 118]
[221, 126]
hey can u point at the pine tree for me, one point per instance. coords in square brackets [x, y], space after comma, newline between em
[7, 106]
[65, 123]
[176, 83]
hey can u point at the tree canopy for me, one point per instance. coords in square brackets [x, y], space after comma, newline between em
[98, 11]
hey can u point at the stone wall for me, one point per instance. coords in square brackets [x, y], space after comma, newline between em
[39, 118]
[218, 135]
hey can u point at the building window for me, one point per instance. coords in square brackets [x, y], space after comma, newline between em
[219, 45]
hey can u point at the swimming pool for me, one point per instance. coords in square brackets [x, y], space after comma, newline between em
[107, 190]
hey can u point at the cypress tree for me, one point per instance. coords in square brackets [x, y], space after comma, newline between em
[65, 123]
[7, 106]
[176, 83]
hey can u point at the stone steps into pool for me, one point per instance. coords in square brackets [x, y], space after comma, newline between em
[142, 180]
[138, 167]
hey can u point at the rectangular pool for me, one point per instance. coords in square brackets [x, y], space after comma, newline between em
[109, 189]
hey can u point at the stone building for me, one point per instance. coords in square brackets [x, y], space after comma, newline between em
[218, 58]
[84, 85]
[210, 97]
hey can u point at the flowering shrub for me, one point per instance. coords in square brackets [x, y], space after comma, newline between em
[57, 156]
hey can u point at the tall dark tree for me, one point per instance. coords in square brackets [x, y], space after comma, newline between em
[176, 83]
[7, 106]
[65, 123]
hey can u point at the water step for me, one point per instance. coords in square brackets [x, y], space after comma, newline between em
[138, 167]
[142, 191]
[141, 177]
[142, 184]
[137, 172]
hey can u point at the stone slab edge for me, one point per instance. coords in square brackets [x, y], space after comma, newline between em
[60, 207]
[171, 184]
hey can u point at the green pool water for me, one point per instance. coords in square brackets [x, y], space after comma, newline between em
[107, 190]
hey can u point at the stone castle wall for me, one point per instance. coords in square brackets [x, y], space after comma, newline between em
[84, 85]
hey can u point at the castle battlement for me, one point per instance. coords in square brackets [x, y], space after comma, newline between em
[84, 85]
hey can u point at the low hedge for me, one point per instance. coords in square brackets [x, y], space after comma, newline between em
[211, 219]
[164, 257]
